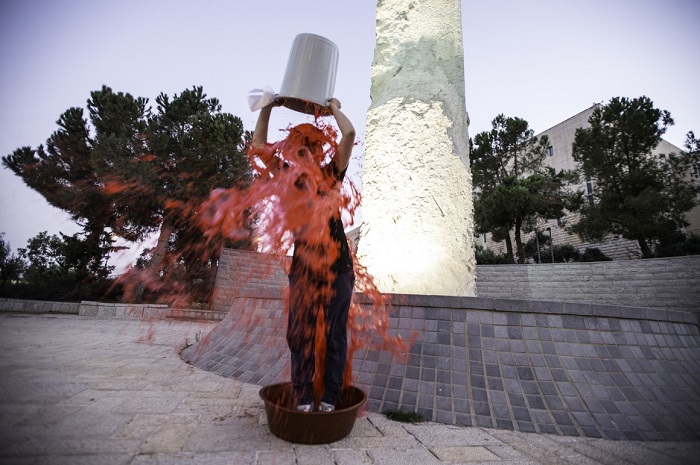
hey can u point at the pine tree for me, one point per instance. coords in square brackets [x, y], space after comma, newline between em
[512, 183]
[140, 172]
[638, 195]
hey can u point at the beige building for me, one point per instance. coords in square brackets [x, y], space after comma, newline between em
[561, 138]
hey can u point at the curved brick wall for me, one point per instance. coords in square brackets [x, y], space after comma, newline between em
[563, 368]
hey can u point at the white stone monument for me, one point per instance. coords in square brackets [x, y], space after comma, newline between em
[417, 210]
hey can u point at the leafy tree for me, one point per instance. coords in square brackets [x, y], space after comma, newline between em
[46, 257]
[636, 194]
[11, 266]
[62, 172]
[51, 268]
[193, 149]
[120, 160]
[512, 183]
[692, 146]
[139, 172]
[53, 257]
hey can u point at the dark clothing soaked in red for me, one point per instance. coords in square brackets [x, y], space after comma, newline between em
[309, 292]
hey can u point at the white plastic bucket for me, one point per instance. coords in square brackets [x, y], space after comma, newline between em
[309, 80]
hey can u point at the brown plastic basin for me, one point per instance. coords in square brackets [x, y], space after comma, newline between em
[287, 423]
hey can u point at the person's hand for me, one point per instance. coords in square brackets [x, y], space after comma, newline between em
[277, 102]
[334, 103]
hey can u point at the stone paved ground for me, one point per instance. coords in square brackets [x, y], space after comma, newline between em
[76, 390]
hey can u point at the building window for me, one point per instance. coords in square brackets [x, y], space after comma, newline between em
[551, 151]
[484, 238]
[589, 189]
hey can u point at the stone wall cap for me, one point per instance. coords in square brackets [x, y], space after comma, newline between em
[452, 303]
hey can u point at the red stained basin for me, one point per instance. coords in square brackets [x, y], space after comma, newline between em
[287, 423]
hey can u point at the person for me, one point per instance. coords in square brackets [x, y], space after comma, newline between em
[321, 276]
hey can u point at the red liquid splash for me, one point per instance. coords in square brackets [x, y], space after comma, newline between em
[293, 196]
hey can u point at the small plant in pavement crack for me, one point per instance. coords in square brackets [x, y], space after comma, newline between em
[404, 417]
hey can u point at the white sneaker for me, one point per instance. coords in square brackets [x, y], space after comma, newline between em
[326, 407]
[305, 408]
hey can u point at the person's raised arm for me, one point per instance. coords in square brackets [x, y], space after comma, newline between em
[259, 141]
[347, 139]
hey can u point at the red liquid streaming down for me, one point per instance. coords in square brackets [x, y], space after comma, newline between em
[294, 197]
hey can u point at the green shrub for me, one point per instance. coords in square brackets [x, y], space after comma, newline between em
[593, 254]
[486, 256]
[403, 417]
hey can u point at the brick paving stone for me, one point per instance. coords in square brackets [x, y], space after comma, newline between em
[457, 454]
[82, 390]
[404, 457]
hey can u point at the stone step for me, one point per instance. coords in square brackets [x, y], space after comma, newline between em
[191, 314]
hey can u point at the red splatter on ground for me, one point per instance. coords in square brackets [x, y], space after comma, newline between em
[149, 337]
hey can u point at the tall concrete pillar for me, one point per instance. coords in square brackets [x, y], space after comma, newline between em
[417, 211]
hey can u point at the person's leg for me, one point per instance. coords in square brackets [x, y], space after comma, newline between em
[336, 319]
[301, 339]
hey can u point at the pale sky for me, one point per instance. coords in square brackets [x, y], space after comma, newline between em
[541, 60]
